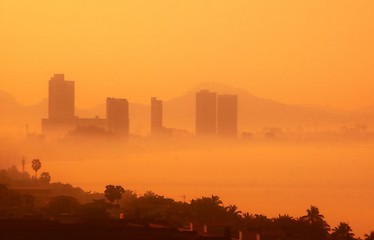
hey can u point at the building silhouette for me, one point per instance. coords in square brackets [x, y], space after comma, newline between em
[117, 116]
[156, 116]
[61, 109]
[227, 115]
[61, 98]
[206, 113]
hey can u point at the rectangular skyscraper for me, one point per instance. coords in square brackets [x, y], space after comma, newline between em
[206, 114]
[227, 115]
[156, 116]
[117, 114]
[61, 98]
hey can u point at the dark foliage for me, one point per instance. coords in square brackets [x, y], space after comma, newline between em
[151, 207]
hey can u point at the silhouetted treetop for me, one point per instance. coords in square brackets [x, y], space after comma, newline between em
[45, 178]
[36, 165]
[113, 193]
[369, 236]
[342, 232]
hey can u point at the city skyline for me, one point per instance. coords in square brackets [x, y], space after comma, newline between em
[267, 104]
[254, 112]
[215, 114]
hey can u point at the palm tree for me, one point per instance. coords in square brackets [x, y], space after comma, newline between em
[342, 232]
[284, 218]
[233, 209]
[287, 223]
[315, 224]
[207, 209]
[36, 165]
[313, 215]
[233, 214]
[215, 200]
[248, 216]
[369, 236]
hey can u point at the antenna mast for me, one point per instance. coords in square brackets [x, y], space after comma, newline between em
[23, 168]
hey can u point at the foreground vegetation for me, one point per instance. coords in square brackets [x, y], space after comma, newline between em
[65, 200]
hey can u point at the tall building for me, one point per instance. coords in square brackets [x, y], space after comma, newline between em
[206, 114]
[61, 117]
[117, 115]
[227, 115]
[61, 98]
[61, 110]
[156, 116]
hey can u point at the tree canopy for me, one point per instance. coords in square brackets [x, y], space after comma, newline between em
[113, 193]
[36, 165]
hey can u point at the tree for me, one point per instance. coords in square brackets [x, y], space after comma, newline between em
[288, 225]
[113, 193]
[369, 236]
[260, 222]
[36, 165]
[342, 232]
[45, 177]
[233, 209]
[315, 225]
[313, 215]
[207, 209]
[215, 200]
[128, 200]
[233, 214]
[153, 206]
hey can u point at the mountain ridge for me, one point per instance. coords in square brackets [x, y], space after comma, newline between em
[179, 112]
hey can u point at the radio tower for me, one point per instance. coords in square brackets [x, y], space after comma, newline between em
[23, 168]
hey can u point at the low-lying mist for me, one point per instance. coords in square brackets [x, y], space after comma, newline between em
[267, 177]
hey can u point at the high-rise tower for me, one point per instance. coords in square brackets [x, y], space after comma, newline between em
[117, 114]
[227, 115]
[206, 114]
[61, 98]
[156, 116]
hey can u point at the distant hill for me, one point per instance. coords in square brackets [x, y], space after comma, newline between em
[15, 116]
[254, 113]
[9, 105]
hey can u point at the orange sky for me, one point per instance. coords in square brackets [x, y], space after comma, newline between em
[315, 51]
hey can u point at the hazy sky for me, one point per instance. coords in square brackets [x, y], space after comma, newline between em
[315, 51]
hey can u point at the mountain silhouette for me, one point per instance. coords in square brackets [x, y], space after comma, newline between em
[254, 113]
[15, 116]
[8, 104]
